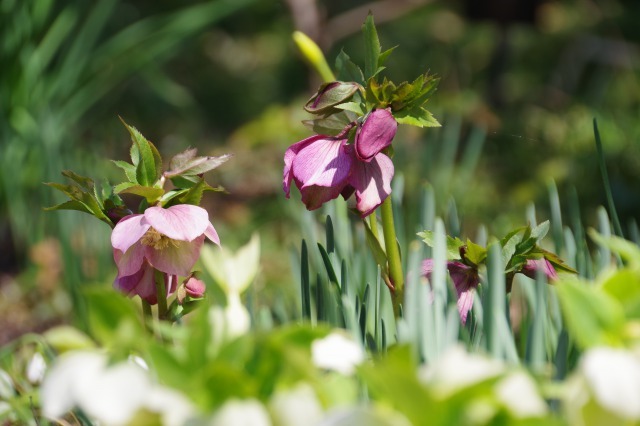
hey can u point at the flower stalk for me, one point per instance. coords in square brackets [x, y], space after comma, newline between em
[161, 293]
[393, 254]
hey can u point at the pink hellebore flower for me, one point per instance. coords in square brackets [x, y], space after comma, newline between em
[543, 264]
[324, 167]
[167, 240]
[465, 279]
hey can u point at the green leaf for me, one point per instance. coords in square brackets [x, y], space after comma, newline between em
[347, 70]
[194, 194]
[352, 106]
[453, 244]
[371, 49]
[540, 231]
[150, 193]
[70, 205]
[129, 170]
[624, 286]
[475, 253]
[592, 316]
[419, 117]
[332, 125]
[187, 164]
[113, 318]
[627, 250]
[149, 164]
[384, 56]
[84, 182]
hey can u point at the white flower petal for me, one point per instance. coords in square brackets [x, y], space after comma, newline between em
[249, 412]
[614, 378]
[290, 406]
[36, 368]
[337, 352]
[519, 393]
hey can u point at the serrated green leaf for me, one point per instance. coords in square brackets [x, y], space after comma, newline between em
[509, 248]
[540, 231]
[475, 253]
[151, 193]
[453, 244]
[129, 170]
[330, 126]
[194, 194]
[384, 56]
[352, 106]
[347, 70]
[187, 164]
[149, 165]
[84, 182]
[372, 47]
[70, 205]
[419, 117]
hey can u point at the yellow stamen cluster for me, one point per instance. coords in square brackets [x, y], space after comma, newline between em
[153, 238]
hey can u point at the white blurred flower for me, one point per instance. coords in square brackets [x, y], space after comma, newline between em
[519, 394]
[337, 352]
[249, 412]
[364, 416]
[234, 272]
[229, 321]
[36, 368]
[613, 377]
[457, 369]
[112, 394]
[289, 407]
[7, 390]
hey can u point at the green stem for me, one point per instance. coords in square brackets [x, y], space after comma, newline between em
[161, 293]
[393, 254]
[373, 224]
[147, 315]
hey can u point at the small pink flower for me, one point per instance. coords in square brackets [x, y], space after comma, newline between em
[323, 167]
[533, 265]
[465, 279]
[168, 240]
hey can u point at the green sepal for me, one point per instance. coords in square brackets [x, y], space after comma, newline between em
[453, 244]
[187, 164]
[145, 157]
[151, 193]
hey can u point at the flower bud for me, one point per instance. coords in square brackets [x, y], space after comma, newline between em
[375, 134]
[330, 95]
[194, 287]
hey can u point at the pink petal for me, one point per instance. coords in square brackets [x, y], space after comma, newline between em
[177, 258]
[324, 162]
[375, 134]
[182, 222]
[465, 303]
[141, 283]
[427, 268]
[314, 196]
[130, 261]
[372, 181]
[212, 234]
[289, 155]
[128, 232]
[543, 264]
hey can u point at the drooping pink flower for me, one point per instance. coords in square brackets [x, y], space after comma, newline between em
[142, 283]
[319, 166]
[323, 167]
[533, 265]
[465, 280]
[168, 240]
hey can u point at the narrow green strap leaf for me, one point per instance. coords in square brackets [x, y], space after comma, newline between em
[605, 180]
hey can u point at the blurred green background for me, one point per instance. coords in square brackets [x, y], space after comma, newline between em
[520, 85]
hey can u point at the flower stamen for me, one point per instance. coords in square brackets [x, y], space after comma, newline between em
[155, 239]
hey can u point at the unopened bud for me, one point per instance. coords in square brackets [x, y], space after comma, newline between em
[330, 95]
